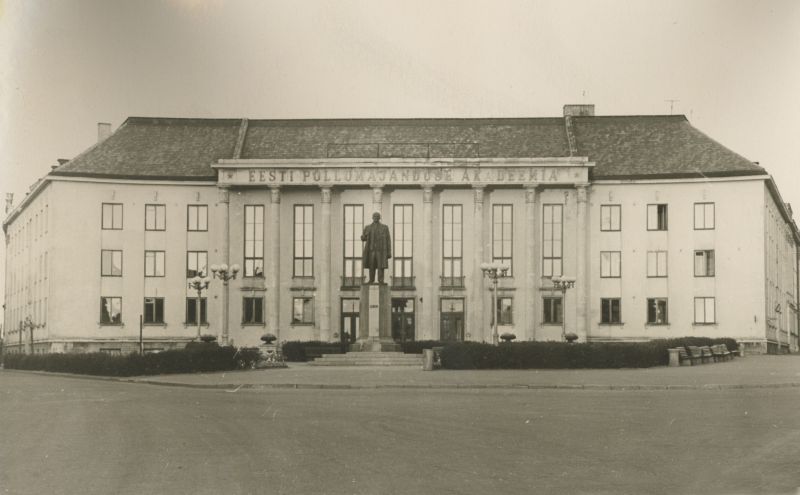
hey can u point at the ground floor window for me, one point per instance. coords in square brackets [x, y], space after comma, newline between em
[704, 310]
[303, 311]
[505, 314]
[153, 310]
[253, 311]
[111, 310]
[657, 311]
[610, 311]
[553, 313]
[191, 310]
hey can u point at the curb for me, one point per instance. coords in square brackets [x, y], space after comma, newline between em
[232, 387]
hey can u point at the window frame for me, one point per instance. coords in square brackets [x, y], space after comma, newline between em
[666, 264]
[305, 259]
[197, 262]
[709, 257]
[306, 320]
[157, 207]
[705, 204]
[112, 251]
[612, 208]
[253, 320]
[506, 260]
[501, 320]
[203, 311]
[552, 258]
[656, 300]
[113, 216]
[607, 314]
[155, 302]
[658, 226]
[155, 263]
[611, 264]
[549, 309]
[400, 257]
[199, 207]
[257, 254]
[102, 307]
[705, 301]
[355, 231]
[453, 261]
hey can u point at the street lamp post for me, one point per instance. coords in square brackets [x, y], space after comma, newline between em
[199, 283]
[563, 283]
[494, 271]
[224, 273]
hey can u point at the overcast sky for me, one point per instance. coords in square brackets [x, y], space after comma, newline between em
[732, 66]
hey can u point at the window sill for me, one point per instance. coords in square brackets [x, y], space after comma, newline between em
[253, 324]
[546, 324]
[111, 276]
[704, 276]
[161, 324]
[300, 324]
[656, 324]
[256, 277]
[704, 324]
[187, 324]
[611, 324]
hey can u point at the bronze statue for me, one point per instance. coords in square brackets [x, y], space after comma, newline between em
[377, 248]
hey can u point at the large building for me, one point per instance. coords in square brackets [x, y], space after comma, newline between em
[666, 232]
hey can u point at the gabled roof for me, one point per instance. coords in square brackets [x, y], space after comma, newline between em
[621, 147]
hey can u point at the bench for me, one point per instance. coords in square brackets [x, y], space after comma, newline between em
[695, 354]
[708, 355]
[721, 352]
[683, 357]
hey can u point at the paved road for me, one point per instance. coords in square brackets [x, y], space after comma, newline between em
[66, 435]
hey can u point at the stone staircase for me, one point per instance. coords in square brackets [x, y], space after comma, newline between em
[369, 359]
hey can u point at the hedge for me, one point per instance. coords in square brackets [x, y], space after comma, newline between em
[560, 355]
[200, 358]
[416, 346]
[295, 351]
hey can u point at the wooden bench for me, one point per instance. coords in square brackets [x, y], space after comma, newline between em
[684, 357]
[695, 354]
[708, 355]
[721, 352]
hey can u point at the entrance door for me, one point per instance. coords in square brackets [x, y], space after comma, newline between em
[402, 319]
[451, 325]
[349, 323]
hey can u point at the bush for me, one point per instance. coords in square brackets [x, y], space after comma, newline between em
[416, 346]
[560, 355]
[295, 351]
[199, 358]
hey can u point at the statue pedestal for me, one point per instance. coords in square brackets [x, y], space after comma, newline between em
[375, 325]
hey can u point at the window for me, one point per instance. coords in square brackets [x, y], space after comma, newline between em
[610, 218]
[196, 264]
[452, 262]
[253, 241]
[110, 263]
[155, 217]
[704, 216]
[552, 231]
[552, 310]
[153, 310]
[657, 311]
[112, 216]
[403, 249]
[302, 311]
[609, 311]
[656, 217]
[191, 310]
[502, 234]
[111, 310]
[353, 228]
[656, 263]
[704, 310]
[154, 263]
[610, 264]
[704, 263]
[304, 241]
[253, 310]
[197, 218]
[505, 312]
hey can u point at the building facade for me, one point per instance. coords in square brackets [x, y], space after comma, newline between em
[666, 233]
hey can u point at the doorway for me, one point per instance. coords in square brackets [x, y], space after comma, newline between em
[403, 319]
[451, 324]
[349, 322]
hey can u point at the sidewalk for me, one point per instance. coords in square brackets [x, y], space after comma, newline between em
[747, 372]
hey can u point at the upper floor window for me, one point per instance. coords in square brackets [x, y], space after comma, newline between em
[610, 218]
[353, 227]
[197, 218]
[196, 264]
[704, 311]
[112, 216]
[552, 310]
[657, 217]
[503, 234]
[304, 241]
[154, 263]
[704, 263]
[656, 263]
[155, 217]
[704, 216]
[657, 311]
[452, 256]
[403, 255]
[253, 240]
[610, 262]
[110, 263]
[552, 232]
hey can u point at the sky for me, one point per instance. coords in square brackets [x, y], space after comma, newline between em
[732, 67]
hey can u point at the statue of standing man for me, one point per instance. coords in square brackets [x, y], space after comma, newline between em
[377, 248]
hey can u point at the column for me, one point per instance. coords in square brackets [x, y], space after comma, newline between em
[429, 303]
[478, 322]
[274, 253]
[531, 286]
[377, 202]
[324, 298]
[582, 258]
[224, 199]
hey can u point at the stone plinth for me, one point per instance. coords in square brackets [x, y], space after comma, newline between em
[375, 325]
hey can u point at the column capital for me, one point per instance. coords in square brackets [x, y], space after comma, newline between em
[477, 191]
[583, 190]
[224, 193]
[275, 194]
[530, 192]
[326, 193]
[377, 193]
[427, 194]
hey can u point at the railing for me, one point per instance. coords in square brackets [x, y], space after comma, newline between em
[352, 282]
[452, 282]
[403, 282]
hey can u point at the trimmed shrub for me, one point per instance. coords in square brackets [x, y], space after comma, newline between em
[560, 355]
[199, 358]
[295, 351]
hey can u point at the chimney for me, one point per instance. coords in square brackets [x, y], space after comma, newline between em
[9, 202]
[579, 110]
[103, 131]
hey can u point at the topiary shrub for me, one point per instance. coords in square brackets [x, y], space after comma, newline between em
[268, 338]
[508, 337]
